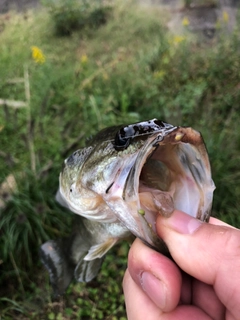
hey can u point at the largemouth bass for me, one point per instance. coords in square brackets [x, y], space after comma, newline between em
[118, 184]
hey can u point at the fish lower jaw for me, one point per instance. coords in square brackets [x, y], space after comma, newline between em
[182, 195]
[152, 203]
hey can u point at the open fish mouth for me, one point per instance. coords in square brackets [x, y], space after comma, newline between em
[171, 171]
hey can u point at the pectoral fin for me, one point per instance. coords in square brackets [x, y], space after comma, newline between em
[99, 250]
[86, 271]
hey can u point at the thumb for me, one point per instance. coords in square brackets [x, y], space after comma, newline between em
[209, 253]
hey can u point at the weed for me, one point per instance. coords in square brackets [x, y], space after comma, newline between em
[72, 15]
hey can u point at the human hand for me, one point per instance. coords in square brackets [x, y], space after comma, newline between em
[204, 283]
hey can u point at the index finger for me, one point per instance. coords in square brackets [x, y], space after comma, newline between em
[209, 253]
[218, 222]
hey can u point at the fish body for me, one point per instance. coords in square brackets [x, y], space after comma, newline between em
[118, 184]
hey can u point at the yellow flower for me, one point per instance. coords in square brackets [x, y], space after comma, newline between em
[225, 16]
[37, 55]
[84, 59]
[159, 74]
[178, 39]
[185, 22]
[105, 76]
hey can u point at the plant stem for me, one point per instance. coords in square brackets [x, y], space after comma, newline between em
[29, 120]
[17, 273]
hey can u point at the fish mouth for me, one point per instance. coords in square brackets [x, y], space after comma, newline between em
[171, 172]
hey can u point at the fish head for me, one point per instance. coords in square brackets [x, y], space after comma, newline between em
[131, 174]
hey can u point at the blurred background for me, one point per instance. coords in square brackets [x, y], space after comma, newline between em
[70, 68]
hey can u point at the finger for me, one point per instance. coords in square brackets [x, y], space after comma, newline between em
[210, 253]
[186, 289]
[185, 312]
[204, 297]
[218, 222]
[156, 274]
[138, 305]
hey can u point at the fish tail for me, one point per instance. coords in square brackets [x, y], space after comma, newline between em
[64, 258]
[59, 267]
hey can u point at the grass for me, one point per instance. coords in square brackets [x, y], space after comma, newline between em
[124, 71]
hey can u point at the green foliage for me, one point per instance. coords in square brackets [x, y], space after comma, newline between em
[130, 69]
[72, 15]
[32, 216]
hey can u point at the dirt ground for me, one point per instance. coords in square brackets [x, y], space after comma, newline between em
[202, 17]
[19, 5]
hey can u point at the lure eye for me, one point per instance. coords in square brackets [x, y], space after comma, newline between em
[120, 142]
[123, 137]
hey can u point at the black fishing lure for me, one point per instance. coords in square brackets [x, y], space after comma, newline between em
[125, 135]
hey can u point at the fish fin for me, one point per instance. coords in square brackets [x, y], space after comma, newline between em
[99, 250]
[59, 268]
[85, 271]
